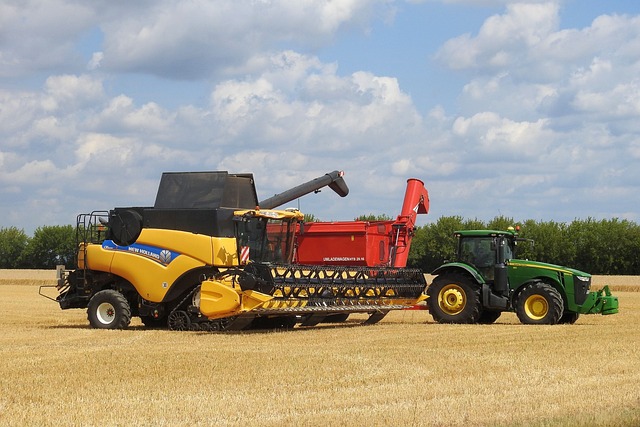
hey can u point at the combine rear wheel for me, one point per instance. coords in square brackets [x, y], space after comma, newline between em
[539, 304]
[454, 298]
[109, 309]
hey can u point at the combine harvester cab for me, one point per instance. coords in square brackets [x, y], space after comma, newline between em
[487, 279]
[205, 257]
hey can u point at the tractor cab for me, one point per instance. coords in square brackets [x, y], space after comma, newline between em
[486, 249]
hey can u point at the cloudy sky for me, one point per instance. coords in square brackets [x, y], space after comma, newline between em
[527, 109]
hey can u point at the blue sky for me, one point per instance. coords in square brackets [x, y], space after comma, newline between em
[527, 109]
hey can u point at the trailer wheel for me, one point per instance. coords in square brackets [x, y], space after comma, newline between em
[109, 309]
[454, 298]
[539, 304]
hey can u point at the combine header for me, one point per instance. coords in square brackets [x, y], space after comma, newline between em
[206, 257]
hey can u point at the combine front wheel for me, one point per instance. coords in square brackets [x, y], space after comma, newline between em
[109, 309]
[454, 299]
[539, 303]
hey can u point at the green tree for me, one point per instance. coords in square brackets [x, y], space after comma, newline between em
[552, 243]
[13, 242]
[434, 243]
[310, 218]
[372, 217]
[500, 223]
[50, 246]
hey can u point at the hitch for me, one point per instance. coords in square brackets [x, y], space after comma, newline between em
[608, 303]
[601, 301]
[60, 283]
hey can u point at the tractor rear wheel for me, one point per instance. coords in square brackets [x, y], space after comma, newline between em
[539, 304]
[109, 309]
[454, 298]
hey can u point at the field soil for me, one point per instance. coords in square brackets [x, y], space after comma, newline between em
[406, 370]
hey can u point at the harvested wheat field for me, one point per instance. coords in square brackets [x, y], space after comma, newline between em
[405, 370]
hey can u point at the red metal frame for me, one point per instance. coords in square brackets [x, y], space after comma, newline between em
[369, 243]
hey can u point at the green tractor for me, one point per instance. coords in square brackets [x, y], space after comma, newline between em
[487, 279]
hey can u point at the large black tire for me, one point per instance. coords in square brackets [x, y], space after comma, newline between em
[454, 298]
[539, 304]
[569, 318]
[109, 309]
[489, 316]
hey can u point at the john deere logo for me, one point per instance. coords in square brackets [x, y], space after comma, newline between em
[165, 256]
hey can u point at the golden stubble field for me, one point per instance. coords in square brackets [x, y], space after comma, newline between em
[405, 370]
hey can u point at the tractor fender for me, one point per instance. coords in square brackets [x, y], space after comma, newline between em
[459, 266]
[515, 292]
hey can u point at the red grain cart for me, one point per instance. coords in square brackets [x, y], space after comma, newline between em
[368, 243]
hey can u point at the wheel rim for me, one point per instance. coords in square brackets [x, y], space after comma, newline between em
[536, 307]
[179, 321]
[105, 313]
[452, 299]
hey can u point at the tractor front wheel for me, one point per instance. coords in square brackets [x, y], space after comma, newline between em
[109, 309]
[569, 318]
[454, 298]
[539, 304]
[488, 317]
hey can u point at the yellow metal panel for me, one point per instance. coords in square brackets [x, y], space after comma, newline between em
[97, 258]
[218, 299]
[193, 245]
[225, 252]
[151, 278]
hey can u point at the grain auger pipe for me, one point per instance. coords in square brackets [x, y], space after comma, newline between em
[334, 180]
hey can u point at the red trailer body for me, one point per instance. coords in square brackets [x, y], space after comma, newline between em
[344, 243]
[368, 243]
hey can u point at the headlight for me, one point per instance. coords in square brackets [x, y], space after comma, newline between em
[583, 278]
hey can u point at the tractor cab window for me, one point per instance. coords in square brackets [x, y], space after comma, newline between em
[508, 249]
[477, 251]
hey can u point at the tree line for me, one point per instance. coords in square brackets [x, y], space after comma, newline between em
[48, 247]
[608, 246]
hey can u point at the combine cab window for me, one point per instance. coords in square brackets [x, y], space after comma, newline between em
[279, 241]
[269, 240]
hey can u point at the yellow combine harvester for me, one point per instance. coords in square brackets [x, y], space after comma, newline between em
[205, 257]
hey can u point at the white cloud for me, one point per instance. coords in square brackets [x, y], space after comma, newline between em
[199, 38]
[71, 91]
[502, 39]
[545, 121]
[41, 35]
